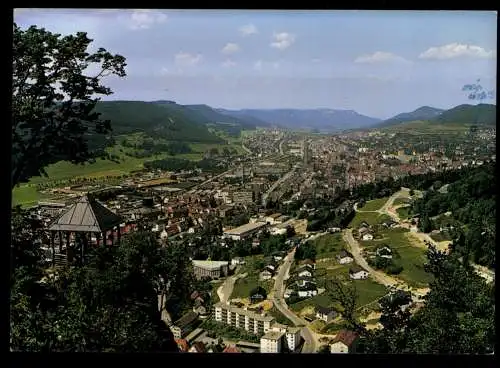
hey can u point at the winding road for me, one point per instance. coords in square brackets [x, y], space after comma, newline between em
[279, 302]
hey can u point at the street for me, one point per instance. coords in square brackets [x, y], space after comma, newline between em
[279, 302]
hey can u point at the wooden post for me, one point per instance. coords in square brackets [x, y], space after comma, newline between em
[68, 234]
[52, 235]
[60, 241]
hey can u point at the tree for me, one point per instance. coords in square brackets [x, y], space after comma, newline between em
[107, 305]
[346, 295]
[54, 98]
[457, 318]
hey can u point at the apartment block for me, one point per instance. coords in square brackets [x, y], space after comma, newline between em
[252, 322]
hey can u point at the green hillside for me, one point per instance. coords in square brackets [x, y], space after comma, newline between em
[170, 122]
[484, 114]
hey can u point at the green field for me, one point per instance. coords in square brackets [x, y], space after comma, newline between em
[400, 200]
[368, 290]
[63, 170]
[243, 286]
[374, 205]
[403, 212]
[327, 246]
[372, 218]
[412, 258]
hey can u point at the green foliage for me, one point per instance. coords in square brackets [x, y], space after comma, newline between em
[469, 114]
[178, 164]
[471, 199]
[219, 329]
[457, 318]
[305, 251]
[108, 305]
[53, 99]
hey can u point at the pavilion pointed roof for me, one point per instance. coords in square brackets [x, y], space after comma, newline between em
[86, 215]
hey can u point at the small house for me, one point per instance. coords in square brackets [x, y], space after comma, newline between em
[182, 345]
[238, 261]
[357, 273]
[304, 273]
[325, 314]
[267, 274]
[308, 291]
[367, 236]
[309, 262]
[198, 347]
[344, 257]
[384, 252]
[345, 342]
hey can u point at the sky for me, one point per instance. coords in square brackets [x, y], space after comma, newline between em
[378, 63]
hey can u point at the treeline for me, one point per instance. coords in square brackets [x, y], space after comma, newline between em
[472, 202]
[179, 164]
[150, 148]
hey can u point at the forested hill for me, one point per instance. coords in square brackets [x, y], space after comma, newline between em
[484, 114]
[163, 120]
[481, 114]
[472, 202]
[422, 113]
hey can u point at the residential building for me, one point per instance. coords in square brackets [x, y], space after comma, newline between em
[367, 236]
[237, 261]
[198, 347]
[325, 314]
[292, 338]
[231, 349]
[344, 257]
[212, 269]
[242, 318]
[184, 325]
[244, 231]
[243, 197]
[183, 345]
[272, 342]
[345, 342]
[357, 273]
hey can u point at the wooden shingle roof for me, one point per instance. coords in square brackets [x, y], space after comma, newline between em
[86, 215]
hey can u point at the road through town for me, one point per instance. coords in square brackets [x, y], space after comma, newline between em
[279, 302]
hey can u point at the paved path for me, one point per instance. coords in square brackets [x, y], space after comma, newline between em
[279, 302]
[226, 289]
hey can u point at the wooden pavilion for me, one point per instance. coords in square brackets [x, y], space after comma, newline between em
[85, 222]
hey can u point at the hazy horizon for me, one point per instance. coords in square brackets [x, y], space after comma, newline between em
[377, 63]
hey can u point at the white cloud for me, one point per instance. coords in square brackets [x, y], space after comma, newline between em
[276, 65]
[228, 63]
[183, 59]
[145, 18]
[248, 30]
[455, 50]
[230, 48]
[380, 57]
[258, 65]
[282, 40]
[316, 60]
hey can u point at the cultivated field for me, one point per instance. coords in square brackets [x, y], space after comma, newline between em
[374, 205]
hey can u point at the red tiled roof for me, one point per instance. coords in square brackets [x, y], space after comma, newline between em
[199, 347]
[231, 349]
[346, 337]
[182, 344]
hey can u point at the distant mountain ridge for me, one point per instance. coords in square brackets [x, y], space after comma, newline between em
[481, 114]
[322, 119]
[422, 113]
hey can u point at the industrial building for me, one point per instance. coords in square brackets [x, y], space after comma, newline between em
[244, 231]
[212, 269]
